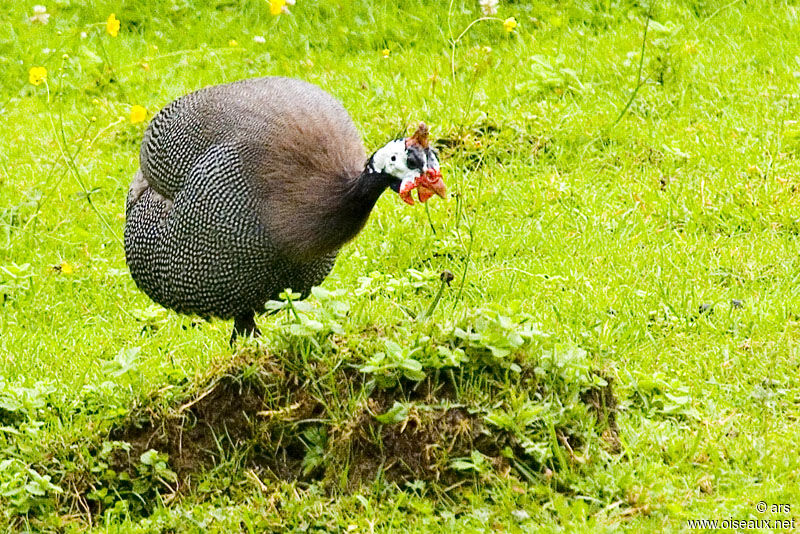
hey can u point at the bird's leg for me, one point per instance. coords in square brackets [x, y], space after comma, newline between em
[245, 325]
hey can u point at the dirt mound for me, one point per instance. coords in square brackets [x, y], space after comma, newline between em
[254, 411]
[267, 419]
[284, 427]
[419, 448]
[223, 416]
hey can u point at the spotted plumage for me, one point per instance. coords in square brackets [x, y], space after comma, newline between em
[244, 190]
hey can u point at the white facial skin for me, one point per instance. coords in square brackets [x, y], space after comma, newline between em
[433, 161]
[392, 159]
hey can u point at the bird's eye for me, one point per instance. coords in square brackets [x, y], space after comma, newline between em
[394, 158]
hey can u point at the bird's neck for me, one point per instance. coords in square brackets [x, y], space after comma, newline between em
[359, 197]
[364, 190]
[350, 208]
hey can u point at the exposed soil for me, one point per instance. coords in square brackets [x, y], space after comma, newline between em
[604, 404]
[224, 414]
[419, 449]
[230, 415]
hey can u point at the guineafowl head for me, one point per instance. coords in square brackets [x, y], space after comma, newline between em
[410, 163]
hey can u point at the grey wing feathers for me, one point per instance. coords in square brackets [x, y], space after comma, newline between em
[208, 255]
[172, 144]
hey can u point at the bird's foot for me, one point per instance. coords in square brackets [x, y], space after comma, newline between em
[244, 326]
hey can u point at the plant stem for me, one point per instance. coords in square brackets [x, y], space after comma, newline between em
[435, 301]
[61, 141]
[639, 81]
[430, 221]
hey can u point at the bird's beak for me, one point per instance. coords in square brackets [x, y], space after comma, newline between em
[427, 184]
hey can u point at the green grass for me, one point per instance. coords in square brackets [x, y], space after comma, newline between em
[609, 235]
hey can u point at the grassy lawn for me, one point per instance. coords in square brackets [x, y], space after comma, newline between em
[622, 228]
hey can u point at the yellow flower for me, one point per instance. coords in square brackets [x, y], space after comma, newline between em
[386, 52]
[112, 25]
[37, 75]
[509, 24]
[233, 42]
[276, 6]
[65, 268]
[138, 114]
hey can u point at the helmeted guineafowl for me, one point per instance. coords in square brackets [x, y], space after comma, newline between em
[249, 188]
